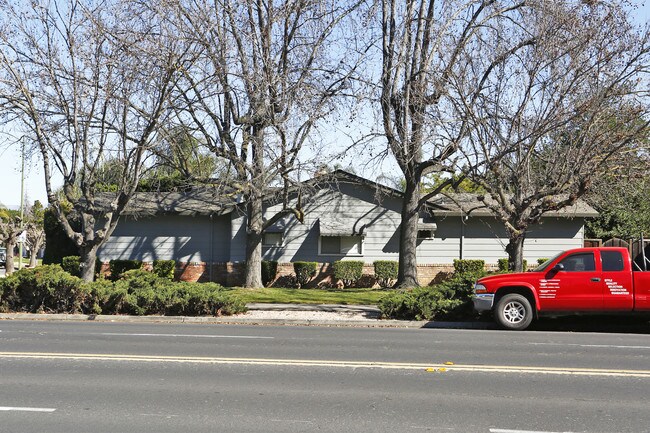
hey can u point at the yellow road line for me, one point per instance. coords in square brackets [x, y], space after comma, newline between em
[329, 363]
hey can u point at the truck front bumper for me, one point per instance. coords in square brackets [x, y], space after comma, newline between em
[483, 301]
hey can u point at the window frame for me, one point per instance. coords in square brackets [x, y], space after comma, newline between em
[265, 245]
[361, 243]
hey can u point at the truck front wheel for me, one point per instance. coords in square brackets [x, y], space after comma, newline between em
[513, 311]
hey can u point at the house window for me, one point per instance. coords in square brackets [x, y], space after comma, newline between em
[341, 245]
[272, 239]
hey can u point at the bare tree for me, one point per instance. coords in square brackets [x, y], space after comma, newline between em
[34, 231]
[564, 107]
[87, 81]
[10, 229]
[263, 75]
[427, 46]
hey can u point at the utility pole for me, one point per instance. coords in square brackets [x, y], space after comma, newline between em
[22, 204]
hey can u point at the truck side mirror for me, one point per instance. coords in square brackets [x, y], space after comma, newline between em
[558, 267]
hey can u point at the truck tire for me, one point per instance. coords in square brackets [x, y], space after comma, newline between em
[513, 311]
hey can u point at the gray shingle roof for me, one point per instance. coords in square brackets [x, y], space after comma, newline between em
[190, 203]
[464, 203]
[208, 201]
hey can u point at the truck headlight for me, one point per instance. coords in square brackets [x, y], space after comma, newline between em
[479, 288]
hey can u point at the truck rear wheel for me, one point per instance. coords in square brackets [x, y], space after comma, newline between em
[513, 311]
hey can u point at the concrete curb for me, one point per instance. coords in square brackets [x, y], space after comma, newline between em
[233, 320]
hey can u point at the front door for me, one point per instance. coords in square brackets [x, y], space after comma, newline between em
[578, 287]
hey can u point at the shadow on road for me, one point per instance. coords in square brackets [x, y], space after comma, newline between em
[611, 324]
[607, 324]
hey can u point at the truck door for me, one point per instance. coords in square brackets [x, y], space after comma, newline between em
[579, 286]
[617, 281]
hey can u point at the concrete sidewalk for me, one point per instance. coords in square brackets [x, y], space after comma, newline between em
[271, 314]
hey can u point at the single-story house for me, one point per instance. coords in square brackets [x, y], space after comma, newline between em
[346, 217]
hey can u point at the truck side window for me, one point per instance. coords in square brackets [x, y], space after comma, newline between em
[581, 262]
[612, 260]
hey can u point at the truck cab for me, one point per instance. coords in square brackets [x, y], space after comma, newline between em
[584, 280]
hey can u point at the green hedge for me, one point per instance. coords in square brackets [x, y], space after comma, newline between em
[503, 265]
[422, 303]
[164, 268]
[386, 272]
[451, 299]
[541, 261]
[305, 271]
[50, 289]
[269, 271]
[70, 264]
[118, 267]
[469, 266]
[46, 288]
[348, 271]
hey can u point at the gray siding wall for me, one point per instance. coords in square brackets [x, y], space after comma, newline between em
[478, 238]
[486, 238]
[354, 205]
[169, 237]
[196, 239]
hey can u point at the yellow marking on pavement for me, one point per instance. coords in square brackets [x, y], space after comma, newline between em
[328, 363]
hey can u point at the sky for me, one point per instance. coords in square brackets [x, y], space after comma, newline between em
[34, 183]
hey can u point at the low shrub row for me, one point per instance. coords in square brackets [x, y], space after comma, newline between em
[349, 272]
[162, 268]
[50, 289]
[503, 265]
[451, 299]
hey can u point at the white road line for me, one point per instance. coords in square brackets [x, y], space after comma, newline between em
[187, 335]
[498, 430]
[609, 346]
[26, 409]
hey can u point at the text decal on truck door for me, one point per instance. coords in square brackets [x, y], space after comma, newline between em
[548, 288]
[615, 288]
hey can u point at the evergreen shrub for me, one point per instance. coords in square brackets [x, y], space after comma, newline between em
[305, 271]
[451, 299]
[386, 272]
[164, 268]
[50, 289]
[269, 271]
[348, 271]
[503, 265]
[118, 267]
[70, 264]
[46, 289]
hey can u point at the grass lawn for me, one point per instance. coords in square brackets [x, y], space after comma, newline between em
[271, 295]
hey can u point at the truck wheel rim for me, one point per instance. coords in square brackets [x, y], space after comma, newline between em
[514, 312]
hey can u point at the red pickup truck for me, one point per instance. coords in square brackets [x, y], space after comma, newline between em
[584, 280]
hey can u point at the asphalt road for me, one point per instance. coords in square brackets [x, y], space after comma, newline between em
[104, 377]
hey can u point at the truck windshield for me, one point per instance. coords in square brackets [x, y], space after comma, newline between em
[546, 264]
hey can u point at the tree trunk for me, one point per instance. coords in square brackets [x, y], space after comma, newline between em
[515, 250]
[9, 264]
[32, 259]
[87, 265]
[407, 276]
[254, 244]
